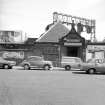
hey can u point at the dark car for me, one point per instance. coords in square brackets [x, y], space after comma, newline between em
[36, 62]
[94, 65]
[6, 64]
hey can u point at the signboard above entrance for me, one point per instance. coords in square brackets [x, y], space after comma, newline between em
[73, 44]
[72, 40]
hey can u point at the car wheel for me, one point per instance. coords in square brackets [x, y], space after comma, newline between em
[6, 66]
[91, 71]
[46, 67]
[67, 67]
[26, 67]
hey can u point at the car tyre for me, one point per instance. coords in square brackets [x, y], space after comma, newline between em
[67, 67]
[91, 71]
[46, 67]
[26, 67]
[6, 66]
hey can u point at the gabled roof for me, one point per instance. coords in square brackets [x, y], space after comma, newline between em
[72, 34]
[56, 32]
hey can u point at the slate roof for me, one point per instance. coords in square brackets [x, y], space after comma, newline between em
[73, 34]
[56, 32]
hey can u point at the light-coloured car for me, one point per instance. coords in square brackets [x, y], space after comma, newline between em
[94, 65]
[71, 63]
[36, 62]
[6, 64]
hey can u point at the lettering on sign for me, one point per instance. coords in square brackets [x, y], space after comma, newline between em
[72, 40]
[73, 44]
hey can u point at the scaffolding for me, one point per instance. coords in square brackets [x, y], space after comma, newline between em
[82, 24]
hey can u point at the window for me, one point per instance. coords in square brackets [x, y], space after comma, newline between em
[78, 60]
[68, 60]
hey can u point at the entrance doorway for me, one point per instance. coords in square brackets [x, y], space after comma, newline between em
[73, 51]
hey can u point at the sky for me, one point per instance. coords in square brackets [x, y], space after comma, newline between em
[32, 16]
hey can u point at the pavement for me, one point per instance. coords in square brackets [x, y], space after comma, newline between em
[54, 68]
[20, 68]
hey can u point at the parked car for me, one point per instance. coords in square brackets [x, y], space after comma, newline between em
[6, 64]
[94, 65]
[71, 63]
[36, 62]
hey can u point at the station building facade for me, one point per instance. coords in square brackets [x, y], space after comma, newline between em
[64, 42]
[56, 42]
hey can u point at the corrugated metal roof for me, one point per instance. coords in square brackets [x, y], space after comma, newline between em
[56, 32]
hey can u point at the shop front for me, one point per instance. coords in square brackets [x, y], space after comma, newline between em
[73, 45]
[95, 50]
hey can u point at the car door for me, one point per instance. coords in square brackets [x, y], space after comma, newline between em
[33, 62]
[100, 65]
[39, 62]
[36, 62]
[77, 63]
[71, 62]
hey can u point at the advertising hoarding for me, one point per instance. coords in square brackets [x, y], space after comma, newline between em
[10, 36]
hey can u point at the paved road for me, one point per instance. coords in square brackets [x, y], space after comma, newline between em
[33, 87]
